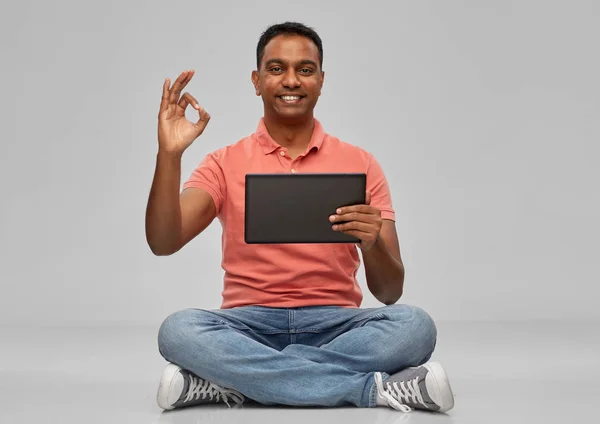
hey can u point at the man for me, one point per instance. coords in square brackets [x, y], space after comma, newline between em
[290, 329]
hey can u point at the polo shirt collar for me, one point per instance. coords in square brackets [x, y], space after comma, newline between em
[269, 145]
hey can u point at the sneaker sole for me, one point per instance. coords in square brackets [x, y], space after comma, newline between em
[162, 397]
[441, 393]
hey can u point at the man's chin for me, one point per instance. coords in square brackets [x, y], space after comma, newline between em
[292, 116]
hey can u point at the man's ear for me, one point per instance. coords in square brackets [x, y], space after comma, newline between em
[255, 82]
[322, 81]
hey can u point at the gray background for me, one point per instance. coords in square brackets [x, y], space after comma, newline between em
[483, 114]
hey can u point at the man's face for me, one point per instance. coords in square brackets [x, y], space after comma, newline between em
[289, 67]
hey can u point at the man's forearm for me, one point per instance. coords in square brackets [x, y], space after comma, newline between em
[163, 213]
[385, 274]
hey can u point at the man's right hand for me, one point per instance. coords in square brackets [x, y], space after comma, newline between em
[175, 132]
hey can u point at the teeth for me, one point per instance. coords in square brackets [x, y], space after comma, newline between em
[290, 98]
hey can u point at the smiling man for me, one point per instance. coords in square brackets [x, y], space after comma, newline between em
[290, 329]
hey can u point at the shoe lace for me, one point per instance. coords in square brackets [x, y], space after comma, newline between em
[397, 395]
[201, 388]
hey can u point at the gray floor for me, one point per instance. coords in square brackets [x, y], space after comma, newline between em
[518, 372]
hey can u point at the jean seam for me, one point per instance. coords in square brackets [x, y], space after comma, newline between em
[361, 321]
[373, 392]
[244, 328]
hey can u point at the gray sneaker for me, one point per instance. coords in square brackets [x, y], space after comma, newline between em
[423, 387]
[179, 387]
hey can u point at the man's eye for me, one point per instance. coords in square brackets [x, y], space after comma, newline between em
[308, 70]
[275, 69]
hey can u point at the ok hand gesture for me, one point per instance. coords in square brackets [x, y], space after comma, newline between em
[175, 132]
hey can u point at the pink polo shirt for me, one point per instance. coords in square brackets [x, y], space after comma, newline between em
[285, 275]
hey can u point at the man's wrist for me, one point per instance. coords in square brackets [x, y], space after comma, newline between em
[168, 155]
[374, 246]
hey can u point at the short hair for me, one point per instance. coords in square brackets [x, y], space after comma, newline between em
[287, 28]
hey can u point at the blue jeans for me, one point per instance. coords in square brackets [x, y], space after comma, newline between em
[308, 356]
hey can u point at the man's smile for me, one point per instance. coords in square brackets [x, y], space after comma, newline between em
[291, 99]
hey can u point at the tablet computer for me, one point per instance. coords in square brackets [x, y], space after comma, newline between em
[295, 208]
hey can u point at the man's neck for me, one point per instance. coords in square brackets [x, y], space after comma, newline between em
[293, 136]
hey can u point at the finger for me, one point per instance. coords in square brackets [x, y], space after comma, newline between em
[186, 100]
[355, 208]
[368, 198]
[365, 215]
[175, 86]
[203, 119]
[354, 216]
[164, 101]
[179, 85]
[361, 235]
[188, 78]
[183, 104]
[354, 225]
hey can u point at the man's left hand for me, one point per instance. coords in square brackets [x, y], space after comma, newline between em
[361, 221]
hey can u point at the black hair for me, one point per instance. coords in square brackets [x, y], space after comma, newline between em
[287, 28]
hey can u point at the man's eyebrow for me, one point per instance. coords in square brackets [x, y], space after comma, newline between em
[302, 62]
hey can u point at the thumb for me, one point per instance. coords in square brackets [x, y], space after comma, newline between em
[203, 119]
[368, 198]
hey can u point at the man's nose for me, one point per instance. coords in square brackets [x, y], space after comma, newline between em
[290, 79]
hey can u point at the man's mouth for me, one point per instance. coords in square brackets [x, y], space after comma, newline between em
[291, 99]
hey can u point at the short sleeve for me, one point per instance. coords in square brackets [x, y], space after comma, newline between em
[377, 184]
[209, 177]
